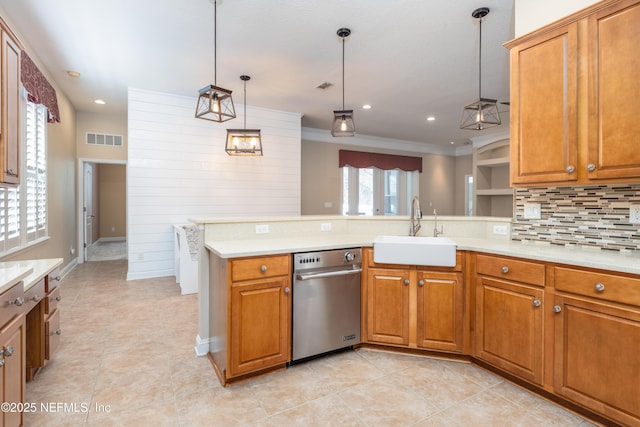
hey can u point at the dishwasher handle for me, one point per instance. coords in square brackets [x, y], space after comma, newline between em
[309, 276]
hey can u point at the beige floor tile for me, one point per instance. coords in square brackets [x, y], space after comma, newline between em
[129, 347]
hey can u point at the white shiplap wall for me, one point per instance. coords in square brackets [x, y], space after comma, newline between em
[177, 169]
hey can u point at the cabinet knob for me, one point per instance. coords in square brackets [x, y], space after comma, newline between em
[56, 332]
[505, 269]
[263, 268]
[599, 287]
[57, 278]
[287, 290]
[570, 169]
[420, 282]
[18, 301]
[7, 352]
[406, 282]
[591, 167]
[1, 363]
[537, 303]
[10, 172]
[557, 308]
[35, 298]
[58, 298]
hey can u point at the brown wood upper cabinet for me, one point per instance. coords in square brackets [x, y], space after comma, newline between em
[10, 109]
[574, 98]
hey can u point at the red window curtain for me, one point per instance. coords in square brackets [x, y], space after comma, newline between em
[359, 159]
[38, 87]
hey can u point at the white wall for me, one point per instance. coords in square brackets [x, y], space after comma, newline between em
[531, 15]
[177, 169]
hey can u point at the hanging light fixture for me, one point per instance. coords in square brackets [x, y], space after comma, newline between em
[343, 124]
[215, 103]
[244, 142]
[483, 113]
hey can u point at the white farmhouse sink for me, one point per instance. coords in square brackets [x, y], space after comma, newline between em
[415, 250]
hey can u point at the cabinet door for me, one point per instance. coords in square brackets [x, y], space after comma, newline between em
[12, 371]
[544, 91]
[614, 97]
[388, 306]
[260, 318]
[440, 311]
[596, 357]
[10, 110]
[509, 327]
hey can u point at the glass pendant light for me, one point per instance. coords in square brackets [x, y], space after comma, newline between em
[483, 113]
[343, 124]
[214, 102]
[244, 142]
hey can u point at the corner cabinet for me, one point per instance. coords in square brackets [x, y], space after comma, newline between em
[10, 108]
[251, 302]
[414, 306]
[574, 97]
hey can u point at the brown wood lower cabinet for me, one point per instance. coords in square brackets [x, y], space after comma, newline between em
[415, 306]
[509, 327]
[260, 318]
[597, 357]
[250, 299]
[12, 368]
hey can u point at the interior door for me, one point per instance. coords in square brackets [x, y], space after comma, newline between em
[88, 207]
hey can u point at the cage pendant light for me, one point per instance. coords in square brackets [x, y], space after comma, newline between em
[214, 102]
[244, 142]
[483, 113]
[343, 124]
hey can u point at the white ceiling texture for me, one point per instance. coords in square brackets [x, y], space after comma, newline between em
[408, 59]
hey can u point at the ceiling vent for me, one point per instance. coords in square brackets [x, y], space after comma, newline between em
[104, 139]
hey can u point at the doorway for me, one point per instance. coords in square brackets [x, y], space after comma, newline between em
[102, 227]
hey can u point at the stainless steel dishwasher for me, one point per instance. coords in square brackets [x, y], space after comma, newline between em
[326, 301]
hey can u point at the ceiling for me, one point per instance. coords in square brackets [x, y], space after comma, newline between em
[408, 59]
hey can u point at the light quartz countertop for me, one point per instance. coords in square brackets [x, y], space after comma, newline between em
[594, 258]
[29, 271]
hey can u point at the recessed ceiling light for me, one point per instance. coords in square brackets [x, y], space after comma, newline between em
[430, 118]
[366, 107]
[72, 73]
[453, 143]
[99, 101]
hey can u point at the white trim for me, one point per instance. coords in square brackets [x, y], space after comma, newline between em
[80, 198]
[203, 346]
[110, 239]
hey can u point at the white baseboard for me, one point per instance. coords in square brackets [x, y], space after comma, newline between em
[202, 346]
[110, 239]
[150, 274]
[67, 268]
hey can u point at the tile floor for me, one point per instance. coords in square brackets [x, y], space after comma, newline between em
[126, 359]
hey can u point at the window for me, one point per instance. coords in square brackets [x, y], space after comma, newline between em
[372, 191]
[23, 208]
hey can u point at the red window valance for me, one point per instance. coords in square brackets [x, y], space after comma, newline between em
[38, 87]
[359, 159]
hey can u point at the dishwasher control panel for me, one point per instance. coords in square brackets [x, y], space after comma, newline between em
[330, 258]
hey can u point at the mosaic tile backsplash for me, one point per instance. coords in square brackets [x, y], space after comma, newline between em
[594, 216]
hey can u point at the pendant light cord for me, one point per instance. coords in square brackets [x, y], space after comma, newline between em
[245, 104]
[343, 72]
[480, 64]
[215, 44]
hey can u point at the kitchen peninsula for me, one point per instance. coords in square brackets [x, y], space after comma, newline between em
[551, 293]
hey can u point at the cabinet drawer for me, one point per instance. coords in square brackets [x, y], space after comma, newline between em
[11, 303]
[507, 268]
[603, 286]
[33, 296]
[52, 334]
[257, 268]
[52, 301]
[52, 280]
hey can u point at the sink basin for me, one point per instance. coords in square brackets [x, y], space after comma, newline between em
[415, 250]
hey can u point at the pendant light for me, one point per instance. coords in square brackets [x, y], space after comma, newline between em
[343, 124]
[483, 113]
[215, 103]
[244, 142]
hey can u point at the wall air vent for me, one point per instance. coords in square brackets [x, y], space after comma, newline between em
[103, 139]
